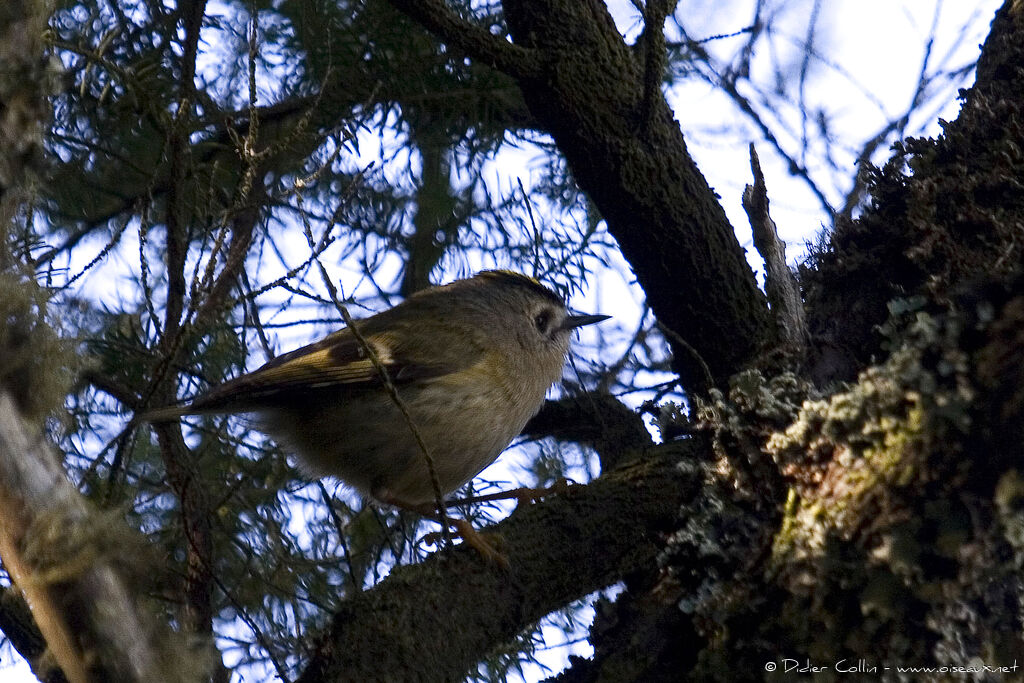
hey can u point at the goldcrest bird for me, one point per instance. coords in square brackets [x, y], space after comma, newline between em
[471, 361]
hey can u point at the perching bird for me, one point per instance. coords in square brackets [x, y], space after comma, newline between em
[471, 361]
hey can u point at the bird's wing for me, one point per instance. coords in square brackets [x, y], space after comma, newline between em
[335, 361]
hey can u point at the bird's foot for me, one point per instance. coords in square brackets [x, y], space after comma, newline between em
[486, 547]
[520, 495]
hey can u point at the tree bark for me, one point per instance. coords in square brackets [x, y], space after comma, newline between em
[434, 621]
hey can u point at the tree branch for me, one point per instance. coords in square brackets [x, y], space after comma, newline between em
[599, 421]
[81, 604]
[440, 616]
[473, 40]
[787, 309]
[18, 625]
[627, 152]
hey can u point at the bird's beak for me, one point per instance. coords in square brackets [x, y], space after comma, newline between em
[574, 321]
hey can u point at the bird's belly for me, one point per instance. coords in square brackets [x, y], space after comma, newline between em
[371, 446]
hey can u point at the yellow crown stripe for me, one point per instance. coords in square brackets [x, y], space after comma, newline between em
[511, 277]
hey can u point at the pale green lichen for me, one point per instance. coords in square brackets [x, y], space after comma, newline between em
[863, 465]
[871, 533]
[876, 435]
[775, 399]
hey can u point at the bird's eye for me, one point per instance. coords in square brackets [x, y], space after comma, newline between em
[542, 320]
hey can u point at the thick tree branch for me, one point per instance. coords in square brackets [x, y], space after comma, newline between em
[599, 421]
[434, 620]
[19, 626]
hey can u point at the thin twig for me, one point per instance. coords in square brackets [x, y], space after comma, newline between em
[340, 527]
[709, 380]
[385, 378]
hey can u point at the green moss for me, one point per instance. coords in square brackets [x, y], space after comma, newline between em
[860, 554]
[885, 546]
[878, 434]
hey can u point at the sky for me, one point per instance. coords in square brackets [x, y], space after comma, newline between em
[871, 52]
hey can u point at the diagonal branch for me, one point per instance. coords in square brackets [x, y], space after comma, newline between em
[627, 153]
[473, 40]
[602, 530]
[597, 420]
[89, 615]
